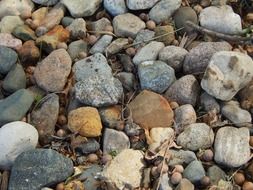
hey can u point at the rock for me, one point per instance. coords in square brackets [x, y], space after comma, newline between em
[209, 103]
[155, 75]
[161, 31]
[231, 147]
[22, 8]
[38, 17]
[184, 115]
[111, 116]
[46, 2]
[179, 157]
[143, 36]
[116, 46]
[150, 110]
[185, 184]
[246, 96]
[159, 135]
[8, 58]
[225, 20]
[132, 129]
[140, 4]
[148, 53]
[45, 117]
[77, 28]
[184, 91]
[99, 25]
[226, 74]
[196, 136]
[164, 10]
[8, 40]
[216, 174]
[115, 141]
[127, 25]
[126, 62]
[39, 162]
[66, 21]
[85, 121]
[91, 146]
[81, 8]
[194, 171]
[90, 174]
[128, 80]
[101, 44]
[173, 56]
[232, 111]
[124, 169]
[8, 23]
[15, 79]
[15, 106]
[51, 74]
[115, 7]
[29, 53]
[15, 138]
[164, 183]
[77, 47]
[198, 58]
[249, 170]
[24, 33]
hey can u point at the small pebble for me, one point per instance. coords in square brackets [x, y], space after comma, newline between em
[92, 39]
[151, 25]
[247, 186]
[92, 158]
[109, 28]
[178, 168]
[208, 155]
[174, 105]
[154, 171]
[131, 51]
[176, 178]
[239, 178]
[60, 186]
[106, 158]
[144, 17]
[62, 45]
[82, 55]
[162, 168]
[62, 120]
[61, 133]
[197, 8]
[205, 181]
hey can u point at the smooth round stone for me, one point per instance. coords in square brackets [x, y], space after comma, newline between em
[66, 21]
[8, 58]
[15, 138]
[115, 7]
[194, 171]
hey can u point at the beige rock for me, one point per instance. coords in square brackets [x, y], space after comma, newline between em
[8, 40]
[162, 30]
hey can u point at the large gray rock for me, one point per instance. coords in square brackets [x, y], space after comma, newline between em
[8, 58]
[8, 23]
[89, 174]
[77, 47]
[194, 171]
[115, 7]
[38, 168]
[216, 174]
[231, 147]
[140, 4]
[226, 74]
[15, 138]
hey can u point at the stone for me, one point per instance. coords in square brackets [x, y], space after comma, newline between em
[184, 91]
[238, 116]
[124, 169]
[22, 8]
[116, 46]
[51, 167]
[77, 29]
[149, 52]
[216, 174]
[132, 129]
[8, 23]
[184, 115]
[163, 10]
[99, 25]
[128, 80]
[174, 56]
[115, 7]
[15, 106]
[77, 47]
[15, 79]
[85, 121]
[115, 141]
[198, 58]
[91, 146]
[140, 4]
[231, 147]
[226, 74]
[196, 136]
[38, 17]
[126, 62]
[82, 8]
[51, 74]
[16, 137]
[46, 2]
[155, 75]
[90, 174]
[29, 53]
[246, 96]
[101, 44]
[127, 25]
[45, 116]
[8, 58]
[209, 103]
[161, 31]
[159, 136]
[111, 116]
[142, 37]
[66, 21]
[185, 184]
[150, 110]
[194, 172]
[24, 33]
[165, 182]
[179, 157]
[225, 20]
[8, 40]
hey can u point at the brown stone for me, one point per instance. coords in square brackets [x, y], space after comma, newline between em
[111, 116]
[162, 30]
[38, 16]
[29, 53]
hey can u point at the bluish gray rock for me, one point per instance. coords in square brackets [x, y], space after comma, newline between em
[101, 44]
[77, 47]
[127, 79]
[115, 7]
[140, 4]
[216, 174]
[77, 29]
[194, 171]
[143, 37]
[8, 58]
[209, 103]
[90, 175]
[88, 147]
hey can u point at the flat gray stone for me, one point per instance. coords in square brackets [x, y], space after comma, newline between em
[90, 175]
[8, 58]
[216, 174]
[116, 46]
[101, 44]
[115, 7]
[77, 47]
[143, 37]
[209, 103]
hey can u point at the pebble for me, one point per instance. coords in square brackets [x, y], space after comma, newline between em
[140, 4]
[82, 8]
[29, 53]
[85, 121]
[198, 58]
[196, 136]
[24, 32]
[66, 21]
[77, 28]
[174, 56]
[246, 96]
[15, 106]
[45, 116]
[8, 40]
[126, 62]
[101, 44]
[159, 135]
[15, 138]
[76, 47]
[110, 116]
[127, 25]
[99, 25]
[209, 103]
[161, 31]
[91, 146]
[150, 110]
[179, 157]
[149, 52]
[216, 174]
[226, 74]
[51, 74]
[8, 58]
[163, 10]
[231, 147]
[142, 37]
[128, 80]
[15, 79]
[124, 169]
[115, 7]
[39, 162]
[232, 111]
[46, 2]
[194, 172]
[155, 75]
[164, 183]
[132, 129]
[185, 184]
[115, 141]
[185, 90]
[116, 46]
[225, 20]
[8, 23]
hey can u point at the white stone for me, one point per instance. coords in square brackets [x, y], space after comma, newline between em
[160, 135]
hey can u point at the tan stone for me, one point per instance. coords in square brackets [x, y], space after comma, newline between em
[111, 116]
[162, 31]
[85, 121]
[29, 53]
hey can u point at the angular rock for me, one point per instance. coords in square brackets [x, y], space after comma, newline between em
[99, 25]
[24, 33]
[91, 146]
[181, 157]
[132, 129]
[159, 135]
[77, 47]
[143, 36]
[101, 44]
[161, 31]
[185, 184]
[15, 138]
[46, 2]
[29, 53]
[209, 103]
[216, 174]
[140, 4]
[116, 46]
[37, 17]
[126, 62]
[194, 171]
[8, 40]
[115, 7]
[90, 174]
[128, 80]
[77, 28]
[111, 116]
[8, 23]
[8, 58]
